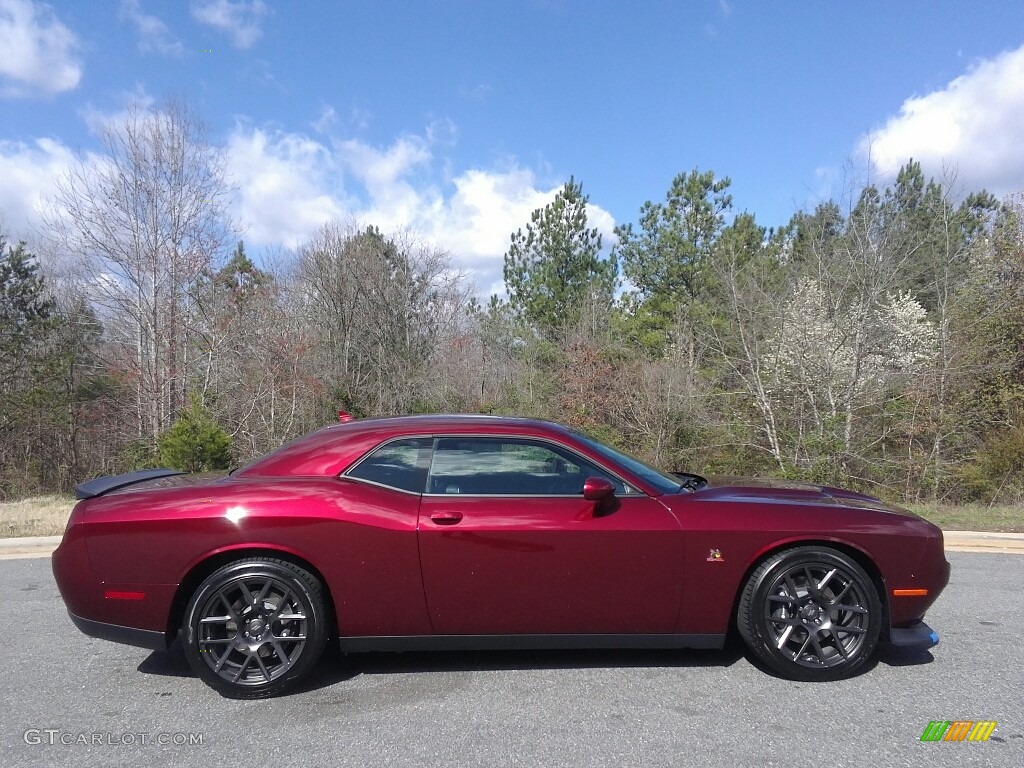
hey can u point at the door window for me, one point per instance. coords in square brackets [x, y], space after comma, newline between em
[494, 466]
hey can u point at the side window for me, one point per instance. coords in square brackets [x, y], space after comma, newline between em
[494, 466]
[399, 464]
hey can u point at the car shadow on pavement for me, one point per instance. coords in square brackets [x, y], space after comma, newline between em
[889, 655]
[337, 667]
[170, 663]
[895, 656]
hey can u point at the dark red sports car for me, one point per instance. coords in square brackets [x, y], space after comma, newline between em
[484, 532]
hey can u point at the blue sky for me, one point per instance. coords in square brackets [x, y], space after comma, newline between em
[458, 117]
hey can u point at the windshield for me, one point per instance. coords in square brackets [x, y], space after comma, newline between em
[661, 481]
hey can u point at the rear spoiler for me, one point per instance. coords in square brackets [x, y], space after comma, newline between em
[102, 485]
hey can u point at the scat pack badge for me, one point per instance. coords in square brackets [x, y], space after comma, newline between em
[715, 556]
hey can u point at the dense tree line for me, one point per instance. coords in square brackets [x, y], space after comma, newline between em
[877, 343]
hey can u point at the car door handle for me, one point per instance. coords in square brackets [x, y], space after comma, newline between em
[446, 518]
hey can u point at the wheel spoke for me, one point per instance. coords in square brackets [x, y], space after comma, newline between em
[848, 608]
[286, 602]
[782, 599]
[227, 604]
[216, 619]
[785, 636]
[838, 644]
[812, 585]
[793, 591]
[221, 660]
[286, 638]
[263, 593]
[263, 667]
[285, 661]
[803, 647]
[842, 593]
[850, 630]
[827, 578]
[241, 669]
[817, 647]
[246, 594]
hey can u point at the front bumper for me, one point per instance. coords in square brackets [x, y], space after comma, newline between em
[917, 636]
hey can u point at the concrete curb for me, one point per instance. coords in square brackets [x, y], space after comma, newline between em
[984, 541]
[28, 546]
[956, 541]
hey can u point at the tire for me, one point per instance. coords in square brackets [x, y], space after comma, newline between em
[811, 613]
[255, 627]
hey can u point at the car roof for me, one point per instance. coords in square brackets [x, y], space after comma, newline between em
[330, 449]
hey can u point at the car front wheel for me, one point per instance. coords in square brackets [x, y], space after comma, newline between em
[811, 613]
[254, 627]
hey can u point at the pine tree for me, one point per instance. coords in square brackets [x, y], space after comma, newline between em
[554, 269]
[195, 443]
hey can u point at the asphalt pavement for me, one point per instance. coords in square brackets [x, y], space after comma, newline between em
[69, 700]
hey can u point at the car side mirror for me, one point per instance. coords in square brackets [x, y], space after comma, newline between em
[597, 488]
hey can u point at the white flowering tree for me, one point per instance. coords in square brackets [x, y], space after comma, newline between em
[832, 358]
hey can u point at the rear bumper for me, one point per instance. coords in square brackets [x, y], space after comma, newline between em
[143, 638]
[917, 636]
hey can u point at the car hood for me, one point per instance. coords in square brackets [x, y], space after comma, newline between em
[768, 490]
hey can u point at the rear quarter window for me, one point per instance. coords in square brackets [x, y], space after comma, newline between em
[400, 464]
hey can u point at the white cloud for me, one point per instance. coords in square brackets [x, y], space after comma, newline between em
[479, 92]
[98, 120]
[290, 184]
[328, 117]
[29, 172]
[973, 127]
[37, 52]
[240, 19]
[154, 35]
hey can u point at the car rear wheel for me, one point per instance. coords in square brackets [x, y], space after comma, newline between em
[255, 627]
[811, 613]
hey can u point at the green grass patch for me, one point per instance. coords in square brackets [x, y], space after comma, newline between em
[973, 517]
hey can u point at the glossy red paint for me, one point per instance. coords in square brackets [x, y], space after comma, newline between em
[550, 566]
[398, 563]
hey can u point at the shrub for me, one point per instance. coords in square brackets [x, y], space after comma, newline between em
[195, 443]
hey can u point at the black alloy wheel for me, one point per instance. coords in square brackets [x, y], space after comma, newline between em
[811, 613]
[255, 627]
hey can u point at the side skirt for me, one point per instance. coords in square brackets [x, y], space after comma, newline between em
[525, 642]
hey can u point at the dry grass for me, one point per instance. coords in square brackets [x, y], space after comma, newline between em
[35, 516]
[973, 517]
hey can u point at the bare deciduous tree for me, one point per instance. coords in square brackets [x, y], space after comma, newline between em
[147, 218]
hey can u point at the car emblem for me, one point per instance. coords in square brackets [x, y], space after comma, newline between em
[715, 556]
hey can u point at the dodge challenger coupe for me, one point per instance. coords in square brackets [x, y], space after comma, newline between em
[457, 532]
